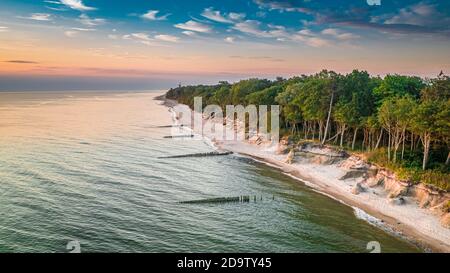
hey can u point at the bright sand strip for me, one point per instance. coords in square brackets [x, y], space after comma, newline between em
[417, 224]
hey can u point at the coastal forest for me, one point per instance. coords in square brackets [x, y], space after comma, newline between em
[398, 122]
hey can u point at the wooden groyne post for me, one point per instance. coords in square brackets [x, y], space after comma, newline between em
[237, 199]
[215, 153]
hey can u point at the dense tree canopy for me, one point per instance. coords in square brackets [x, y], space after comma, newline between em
[405, 118]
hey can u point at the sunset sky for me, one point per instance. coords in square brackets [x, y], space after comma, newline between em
[134, 44]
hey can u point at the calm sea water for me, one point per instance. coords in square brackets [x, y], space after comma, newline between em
[83, 166]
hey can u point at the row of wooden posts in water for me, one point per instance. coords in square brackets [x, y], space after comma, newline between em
[214, 153]
[237, 199]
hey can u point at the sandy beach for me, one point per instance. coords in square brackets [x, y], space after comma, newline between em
[407, 220]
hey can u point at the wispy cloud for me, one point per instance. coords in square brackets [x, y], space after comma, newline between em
[76, 5]
[251, 27]
[87, 21]
[83, 29]
[425, 17]
[38, 17]
[283, 5]
[325, 38]
[421, 14]
[153, 15]
[71, 33]
[194, 26]
[4, 29]
[306, 32]
[188, 33]
[56, 8]
[21, 62]
[141, 36]
[280, 33]
[236, 16]
[230, 39]
[339, 34]
[146, 39]
[167, 38]
[311, 41]
[255, 28]
[217, 16]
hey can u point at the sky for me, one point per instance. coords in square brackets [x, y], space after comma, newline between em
[152, 44]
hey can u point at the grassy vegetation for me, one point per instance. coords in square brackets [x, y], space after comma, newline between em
[447, 207]
[410, 169]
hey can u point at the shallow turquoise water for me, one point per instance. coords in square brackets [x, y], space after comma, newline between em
[67, 173]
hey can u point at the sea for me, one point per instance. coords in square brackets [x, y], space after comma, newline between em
[83, 171]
